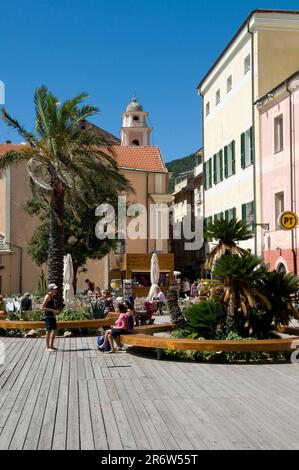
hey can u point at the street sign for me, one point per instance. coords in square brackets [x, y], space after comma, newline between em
[288, 220]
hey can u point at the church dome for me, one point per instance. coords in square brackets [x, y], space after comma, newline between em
[134, 106]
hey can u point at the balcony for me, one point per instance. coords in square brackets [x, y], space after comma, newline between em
[198, 170]
[184, 182]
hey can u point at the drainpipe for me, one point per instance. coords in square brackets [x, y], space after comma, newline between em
[203, 183]
[293, 232]
[147, 215]
[20, 265]
[253, 135]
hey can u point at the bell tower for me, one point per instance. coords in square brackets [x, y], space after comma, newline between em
[135, 130]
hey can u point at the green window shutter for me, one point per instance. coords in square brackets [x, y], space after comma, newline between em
[210, 173]
[234, 213]
[252, 209]
[225, 162]
[205, 175]
[251, 144]
[243, 150]
[215, 217]
[221, 215]
[233, 157]
[226, 215]
[244, 212]
[215, 168]
[221, 165]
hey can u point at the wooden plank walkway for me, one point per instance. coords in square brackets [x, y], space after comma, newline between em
[79, 398]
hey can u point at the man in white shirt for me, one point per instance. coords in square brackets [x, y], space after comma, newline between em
[186, 287]
[160, 298]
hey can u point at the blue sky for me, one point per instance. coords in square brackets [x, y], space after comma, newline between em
[158, 49]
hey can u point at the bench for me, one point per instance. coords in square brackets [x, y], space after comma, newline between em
[29, 325]
[142, 337]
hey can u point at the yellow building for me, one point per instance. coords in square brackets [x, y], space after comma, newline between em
[262, 53]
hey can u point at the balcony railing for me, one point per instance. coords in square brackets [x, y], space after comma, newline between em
[198, 170]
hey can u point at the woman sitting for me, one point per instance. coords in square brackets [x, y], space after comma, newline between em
[122, 327]
[130, 314]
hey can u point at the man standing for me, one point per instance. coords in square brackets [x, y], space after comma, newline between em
[48, 307]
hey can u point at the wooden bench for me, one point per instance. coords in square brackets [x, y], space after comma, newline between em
[29, 325]
[158, 342]
[142, 337]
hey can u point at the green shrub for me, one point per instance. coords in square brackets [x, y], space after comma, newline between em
[34, 315]
[204, 318]
[82, 313]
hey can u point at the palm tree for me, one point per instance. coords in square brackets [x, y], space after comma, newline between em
[227, 233]
[280, 288]
[238, 285]
[59, 153]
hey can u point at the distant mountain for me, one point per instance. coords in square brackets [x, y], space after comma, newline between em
[178, 166]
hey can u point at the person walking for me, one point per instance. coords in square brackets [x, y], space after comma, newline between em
[48, 307]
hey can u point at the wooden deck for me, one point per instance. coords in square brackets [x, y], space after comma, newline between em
[79, 398]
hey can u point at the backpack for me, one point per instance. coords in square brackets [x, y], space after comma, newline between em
[101, 341]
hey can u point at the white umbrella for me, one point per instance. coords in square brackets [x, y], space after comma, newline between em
[68, 278]
[155, 274]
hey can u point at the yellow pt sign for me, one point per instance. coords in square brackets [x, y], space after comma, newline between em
[288, 220]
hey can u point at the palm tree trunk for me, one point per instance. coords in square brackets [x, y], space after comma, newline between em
[232, 303]
[174, 310]
[56, 241]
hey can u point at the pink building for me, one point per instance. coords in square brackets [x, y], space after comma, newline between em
[279, 143]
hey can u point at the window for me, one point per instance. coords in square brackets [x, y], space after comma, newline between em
[248, 212]
[218, 167]
[207, 108]
[229, 83]
[247, 64]
[136, 118]
[281, 268]
[230, 214]
[120, 247]
[278, 134]
[208, 174]
[246, 148]
[135, 142]
[279, 208]
[218, 216]
[206, 223]
[217, 96]
[229, 160]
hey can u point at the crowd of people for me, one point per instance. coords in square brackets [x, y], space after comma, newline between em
[128, 317]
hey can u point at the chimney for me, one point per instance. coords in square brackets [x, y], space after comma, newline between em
[8, 141]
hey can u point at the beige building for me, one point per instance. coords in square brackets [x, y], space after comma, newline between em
[144, 167]
[262, 53]
[188, 190]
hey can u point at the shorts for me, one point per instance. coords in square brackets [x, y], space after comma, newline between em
[118, 331]
[50, 323]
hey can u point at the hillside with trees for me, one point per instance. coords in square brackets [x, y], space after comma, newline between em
[178, 166]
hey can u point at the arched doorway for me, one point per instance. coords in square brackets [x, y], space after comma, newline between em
[281, 268]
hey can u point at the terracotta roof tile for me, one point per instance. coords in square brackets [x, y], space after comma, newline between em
[6, 147]
[137, 158]
[140, 158]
